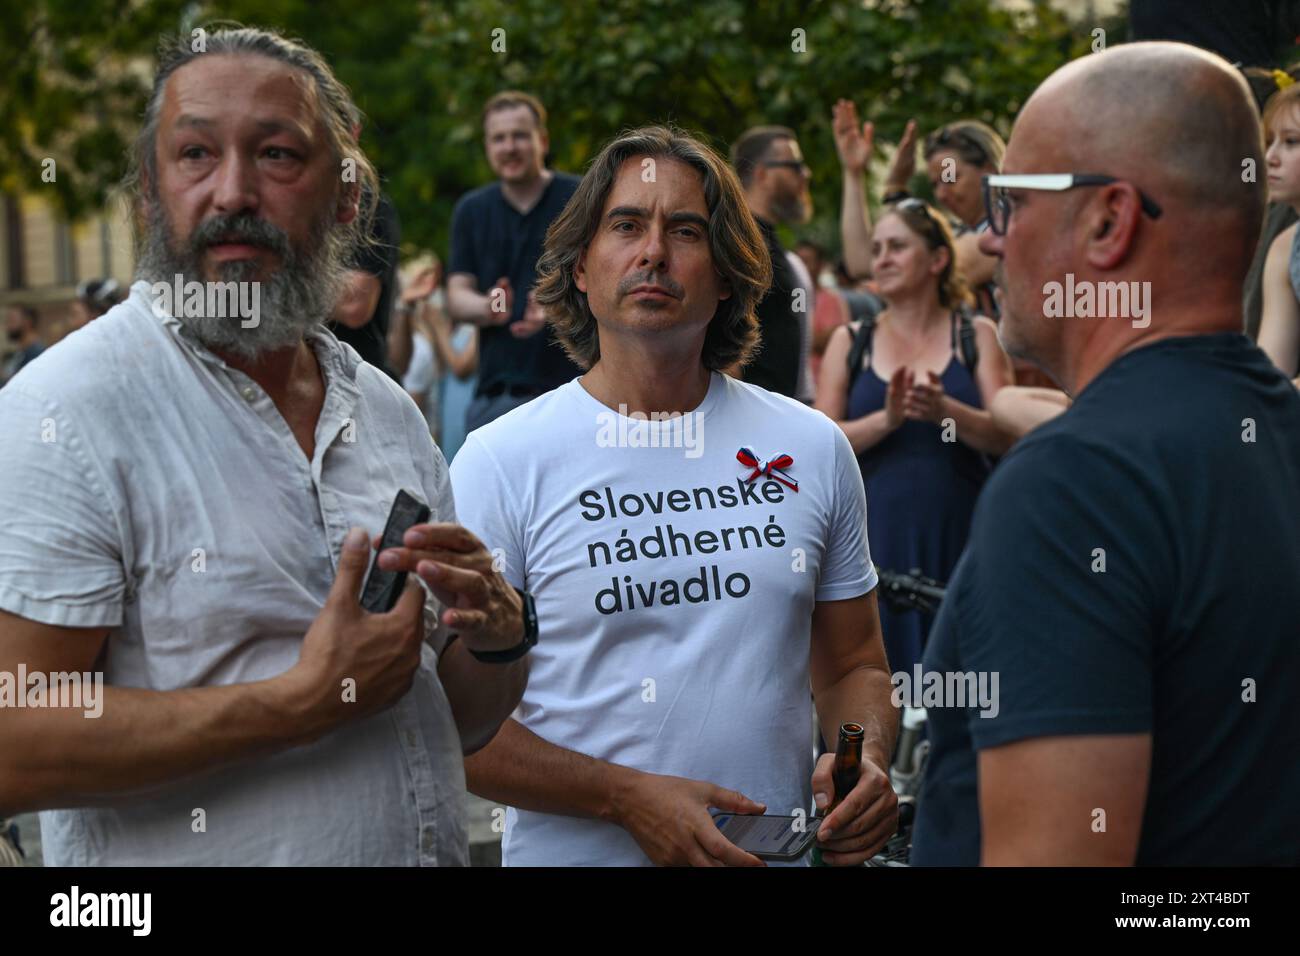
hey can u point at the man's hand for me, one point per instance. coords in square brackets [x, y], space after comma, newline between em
[533, 321]
[479, 603]
[380, 652]
[925, 400]
[852, 144]
[903, 166]
[867, 817]
[669, 819]
[500, 303]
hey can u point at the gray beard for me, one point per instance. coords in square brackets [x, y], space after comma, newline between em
[296, 299]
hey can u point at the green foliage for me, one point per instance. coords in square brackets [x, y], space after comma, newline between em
[421, 71]
[68, 92]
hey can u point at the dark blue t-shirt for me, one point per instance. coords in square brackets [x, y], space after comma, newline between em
[491, 239]
[1179, 468]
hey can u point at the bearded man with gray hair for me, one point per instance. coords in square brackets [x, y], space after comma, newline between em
[180, 483]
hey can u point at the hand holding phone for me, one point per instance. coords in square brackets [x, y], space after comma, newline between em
[478, 602]
[352, 664]
[669, 819]
[383, 588]
[769, 837]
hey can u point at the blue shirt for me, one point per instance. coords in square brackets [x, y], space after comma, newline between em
[1133, 567]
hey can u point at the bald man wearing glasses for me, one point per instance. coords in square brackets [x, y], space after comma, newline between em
[1131, 569]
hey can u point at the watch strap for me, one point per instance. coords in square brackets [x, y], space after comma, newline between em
[525, 645]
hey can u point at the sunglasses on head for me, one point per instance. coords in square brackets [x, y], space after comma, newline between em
[912, 204]
[970, 150]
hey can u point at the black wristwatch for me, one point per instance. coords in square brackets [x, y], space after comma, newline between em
[524, 646]
[896, 196]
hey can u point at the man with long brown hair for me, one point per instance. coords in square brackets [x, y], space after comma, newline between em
[696, 546]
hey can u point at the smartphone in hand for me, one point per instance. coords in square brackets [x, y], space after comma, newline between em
[767, 836]
[383, 588]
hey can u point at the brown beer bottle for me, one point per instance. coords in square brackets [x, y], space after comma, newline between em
[844, 773]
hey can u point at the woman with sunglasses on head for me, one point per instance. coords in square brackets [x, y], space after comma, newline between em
[910, 390]
[956, 157]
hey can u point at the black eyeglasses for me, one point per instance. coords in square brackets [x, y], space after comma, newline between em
[997, 202]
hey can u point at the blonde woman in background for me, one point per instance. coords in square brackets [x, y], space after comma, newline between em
[1279, 327]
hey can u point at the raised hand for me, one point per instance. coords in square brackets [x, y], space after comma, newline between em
[853, 144]
[903, 166]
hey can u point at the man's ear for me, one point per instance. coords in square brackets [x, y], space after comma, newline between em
[724, 287]
[349, 204]
[1111, 222]
[580, 271]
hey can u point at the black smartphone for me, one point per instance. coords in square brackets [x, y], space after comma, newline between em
[769, 837]
[383, 588]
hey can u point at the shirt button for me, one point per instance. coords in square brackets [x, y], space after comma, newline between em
[248, 392]
[426, 840]
[411, 738]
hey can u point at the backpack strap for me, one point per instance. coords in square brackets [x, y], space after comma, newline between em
[860, 350]
[963, 339]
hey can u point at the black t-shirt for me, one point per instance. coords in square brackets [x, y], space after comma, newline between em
[491, 239]
[1193, 612]
[380, 260]
[776, 366]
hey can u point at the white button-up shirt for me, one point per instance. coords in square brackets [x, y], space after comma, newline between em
[149, 488]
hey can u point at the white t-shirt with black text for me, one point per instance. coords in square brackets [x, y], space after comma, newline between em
[674, 596]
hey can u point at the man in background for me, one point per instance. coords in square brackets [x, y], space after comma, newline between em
[776, 179]
[496, 238]
[362, 315]
[20, 329]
